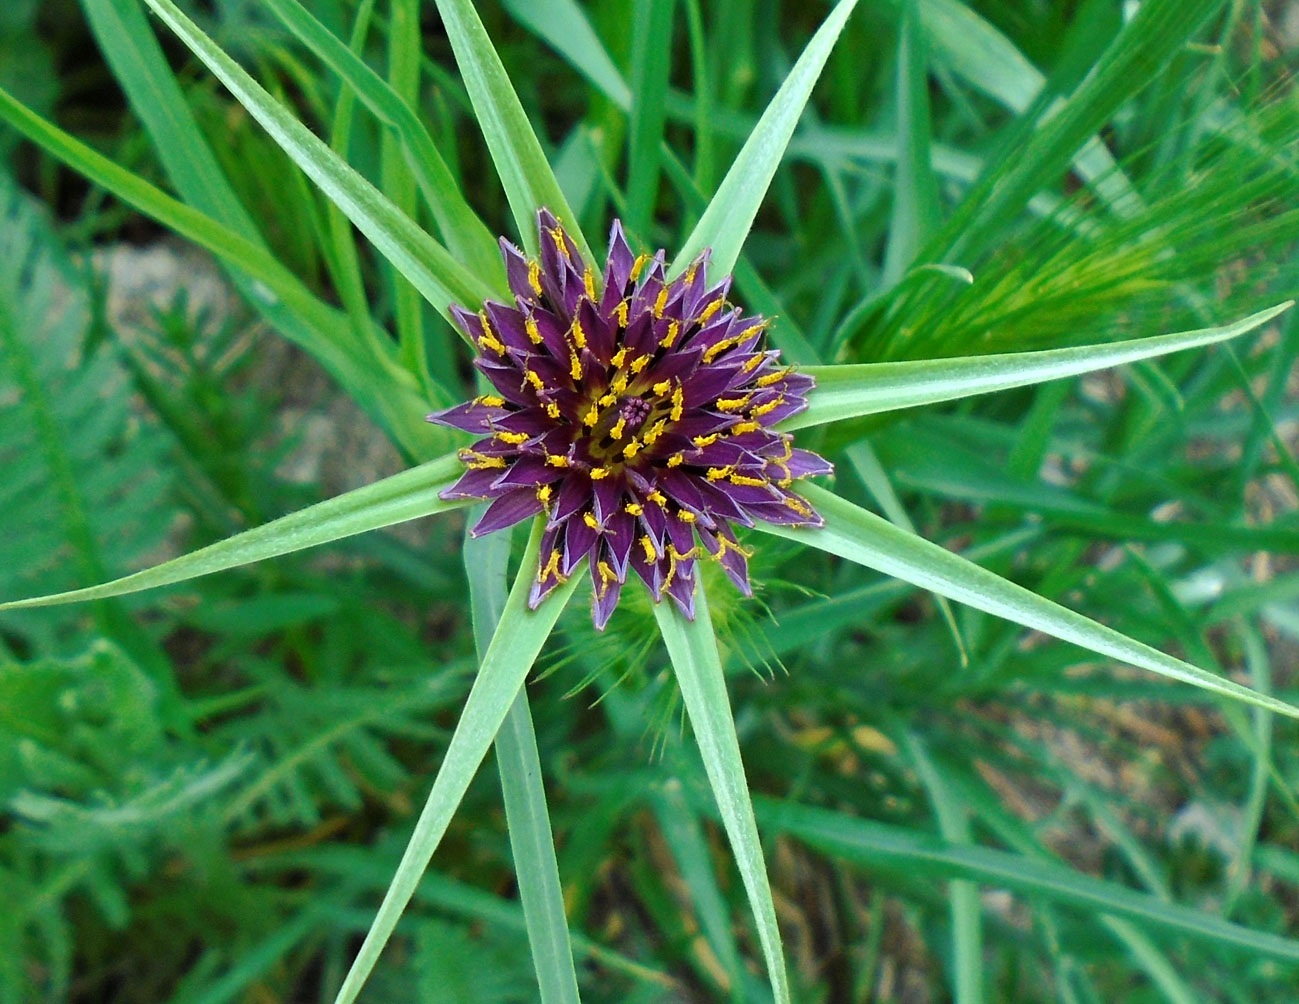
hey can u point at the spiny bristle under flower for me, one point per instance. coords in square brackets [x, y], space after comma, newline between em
[635, 412]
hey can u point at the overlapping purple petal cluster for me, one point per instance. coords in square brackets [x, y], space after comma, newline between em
[635, 412]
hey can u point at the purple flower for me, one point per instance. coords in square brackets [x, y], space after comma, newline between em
[635, 412]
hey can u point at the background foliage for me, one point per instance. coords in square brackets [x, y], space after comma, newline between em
[206, 791]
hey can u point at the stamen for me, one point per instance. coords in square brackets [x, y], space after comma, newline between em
[770, 406]
[742, 479]
[631, 449]
[534, 333]
[513, 438]
[575, 367]
[678, 403]
[620, 313]
[662, 387]
[579, 336]
[657, 496]
[598, 473]
[661, 302]
[592, 416]
[740, 428]
[639, 363]
[733, 403]
[798, 506]
[488, 340]
[588, 281]
[706, 314]
[674, 329]
[534, 277]
[557, 460]
[676, 460]
[590, 520]
[619, 427]
[633, 508]
[606, 576]
[768, 379]
[638, 265]
[552, 409]
[686, 516]
[543, 495]
[708, 440]
[534, 379]
[619, 358]
[490, 400]
[551, 567]
[647, 543]
[717, 473]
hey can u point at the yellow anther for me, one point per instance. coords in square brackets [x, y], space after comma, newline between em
[741, 479]
[490, 400]
[768, 379]
[753, 362]
[557, 460]
[543, 494]
[551, 567]
[619, 427]
[619, 357]
[557, 235]
[607, 400]
[639, 363]
[476, 461]
[592, 416]
[488, 340]
[620, 313]
[686, 516]
[534, 333]
[657, 496]
[676, 460]
[588, 281]
[638, 265]
[655, 431]
[660, 302]
[647, 543]
[798, 506]
[662, 387]
[590, 520]
[607, 576]
[513, 438]
[599, 472]
[534, 277]
[575, 367]
[674, 329]
[770, 406]
[534, 379]
[579, 336]
[691, 272]
[633, 508]
[706, 314]
[702, 441]
[717, 473]
[734, 403]
[678, 403]
[620, 383]
[740, 428]
[724, 545]
[552, 409]
[631, 449]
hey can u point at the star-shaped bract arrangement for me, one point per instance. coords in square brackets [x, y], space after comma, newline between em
[635, 412]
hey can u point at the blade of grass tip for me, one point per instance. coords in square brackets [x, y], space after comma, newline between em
[514, 647]
[692, 648]
[731, 211]
[408, 495]
[857, 535]
[520, 162]
[651, 48]
[699, 84]
[915, 190]
[518, 762]
[866, 465]
[966, 911]
[868, 843]
[1251, 816]
[462, 230]
[426, 263]
[850, 391]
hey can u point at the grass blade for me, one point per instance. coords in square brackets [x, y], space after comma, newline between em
[514, 647]
[426, 263]
[403, 496]
[857, 535]
[520, 162]
[868, 843]
[527, 819]
[869, 388]
[692, 647]
[731, 211]
[564, 26]
[651, 48]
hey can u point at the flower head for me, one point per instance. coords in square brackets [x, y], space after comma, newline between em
[635, 412]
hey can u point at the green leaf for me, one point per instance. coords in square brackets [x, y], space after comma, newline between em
[520, 162]
[426, 263]
[651, 49]
[403, 496]
[870, 388]
[514, 647]
[692, 647]
[869, 843]
[462, 230]
[858, 535]
[730, 214]
[564, 25]
[527, 819]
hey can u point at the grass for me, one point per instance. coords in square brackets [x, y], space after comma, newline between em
[844, 789]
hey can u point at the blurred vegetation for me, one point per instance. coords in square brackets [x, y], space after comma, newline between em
[204, 792]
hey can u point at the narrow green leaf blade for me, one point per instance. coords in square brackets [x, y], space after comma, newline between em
[403, 496]
[514, 647]
[520, 162]
[729, 216]
[527, 818]
[692, 647]
[651, 48]
[857, 535]
[851, 391]
[866, 842]
[426, 263]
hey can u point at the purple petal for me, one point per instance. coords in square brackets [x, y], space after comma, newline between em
[682, 587]
[806, 464]
[516, 272]
[605, 596]
[507, 510]
[469, 417]
[579, 540]
[474, 484]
